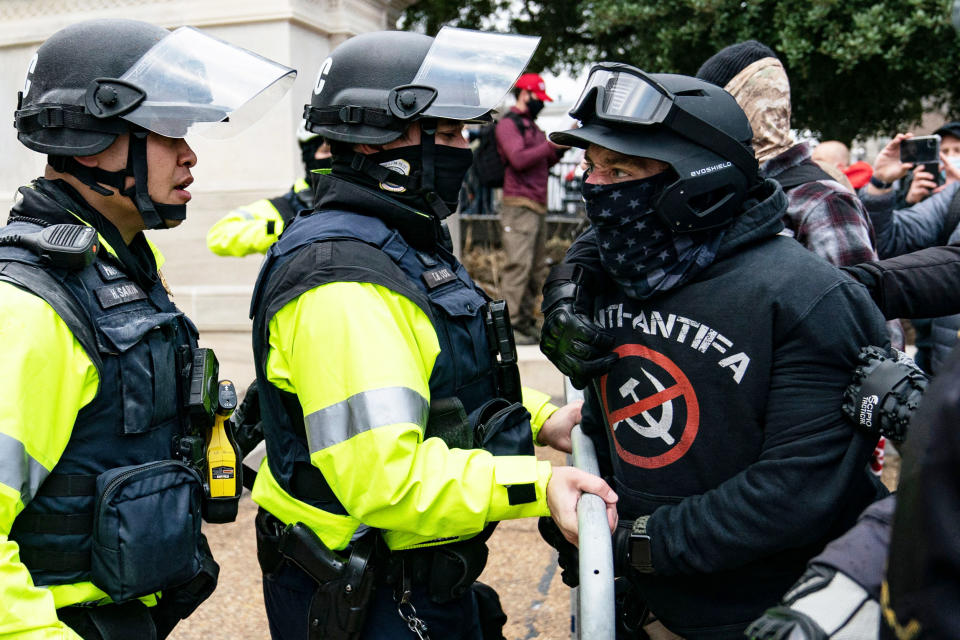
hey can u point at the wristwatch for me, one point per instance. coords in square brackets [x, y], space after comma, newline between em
[640, 557]
[880, 184]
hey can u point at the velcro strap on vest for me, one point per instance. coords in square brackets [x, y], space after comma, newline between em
[60, 485]
[55, 523]
[40, 559]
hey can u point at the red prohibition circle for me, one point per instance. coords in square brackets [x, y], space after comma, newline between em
[682, 387]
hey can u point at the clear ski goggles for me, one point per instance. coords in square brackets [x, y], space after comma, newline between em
[618, 92]
[194, 83]
[472, 71]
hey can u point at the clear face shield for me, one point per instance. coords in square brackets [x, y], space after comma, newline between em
[197, 84]
[472, 70]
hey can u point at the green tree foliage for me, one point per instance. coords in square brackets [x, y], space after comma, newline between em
[856, 67]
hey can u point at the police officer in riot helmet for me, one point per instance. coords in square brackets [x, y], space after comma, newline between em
[100, 518]
[396, 428]
[716, 399]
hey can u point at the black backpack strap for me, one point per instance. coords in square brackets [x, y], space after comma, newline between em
[952, 220]
[40, 283]
[517, 120]
[803, 173]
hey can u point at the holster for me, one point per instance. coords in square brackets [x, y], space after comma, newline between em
[344, 586]
[339, 607]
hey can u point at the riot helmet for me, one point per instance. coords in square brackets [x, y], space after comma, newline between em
[93, 81]
[695, 127]
[375, 85]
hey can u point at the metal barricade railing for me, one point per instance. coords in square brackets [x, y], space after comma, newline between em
[592, 605]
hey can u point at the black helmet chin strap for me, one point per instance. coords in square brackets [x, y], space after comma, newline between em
[90, 176]
[428, 130]
[153, 213]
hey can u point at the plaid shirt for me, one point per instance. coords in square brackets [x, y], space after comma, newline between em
[823, 216]
[828, 219]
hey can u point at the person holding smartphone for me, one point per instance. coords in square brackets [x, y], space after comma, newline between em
[930, 174]
[930, 222]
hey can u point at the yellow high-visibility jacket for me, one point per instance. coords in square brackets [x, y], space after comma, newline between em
[359, 358]
[251, 228]
[47, 378]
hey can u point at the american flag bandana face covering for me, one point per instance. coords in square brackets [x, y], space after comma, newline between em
[637, 249]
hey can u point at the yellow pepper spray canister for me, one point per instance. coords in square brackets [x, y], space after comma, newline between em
[224, 473]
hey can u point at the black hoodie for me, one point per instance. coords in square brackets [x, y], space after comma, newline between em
[727, 424]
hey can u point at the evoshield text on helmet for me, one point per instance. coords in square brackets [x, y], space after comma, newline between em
[375, 85]
[695, 127]
[91, 82]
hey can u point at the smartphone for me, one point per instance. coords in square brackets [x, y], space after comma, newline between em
[923, 150]
[920, 150]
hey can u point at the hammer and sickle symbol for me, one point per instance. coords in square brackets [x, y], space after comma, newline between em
[655, 428]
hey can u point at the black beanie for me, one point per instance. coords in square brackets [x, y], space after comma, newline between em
[724, 65]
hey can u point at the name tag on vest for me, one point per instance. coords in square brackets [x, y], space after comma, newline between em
[120, 293]
[109, 272]
[437, 277]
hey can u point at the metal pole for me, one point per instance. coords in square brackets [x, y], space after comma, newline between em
[594, 606]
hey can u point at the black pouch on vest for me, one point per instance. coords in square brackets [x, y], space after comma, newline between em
[503, 428]
[146, 529]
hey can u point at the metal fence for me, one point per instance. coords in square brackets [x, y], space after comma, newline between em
[592, 604]
[564, 202]
[565, 212]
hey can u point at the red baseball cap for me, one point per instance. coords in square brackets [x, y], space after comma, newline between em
[858, 174]
[533, 83]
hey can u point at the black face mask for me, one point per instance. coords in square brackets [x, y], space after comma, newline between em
[313, 164]
[637, 248]
[534, 107]
[450, 167]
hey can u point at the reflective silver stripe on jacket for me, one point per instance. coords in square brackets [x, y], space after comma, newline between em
[18, 470]
[363, 412]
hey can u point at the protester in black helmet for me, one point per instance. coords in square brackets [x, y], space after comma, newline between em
[99, 519]
[388, 387]
[719, 418]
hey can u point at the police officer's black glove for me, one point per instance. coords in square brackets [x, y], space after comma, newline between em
[578, 347]
[247, 428]
[569, 557]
